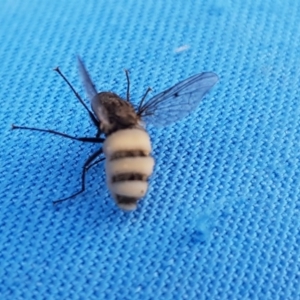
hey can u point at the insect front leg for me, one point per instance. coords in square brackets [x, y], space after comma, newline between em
[84, 171]
[81, 139]
[92, 116]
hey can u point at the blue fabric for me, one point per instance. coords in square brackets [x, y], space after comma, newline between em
[221, 219]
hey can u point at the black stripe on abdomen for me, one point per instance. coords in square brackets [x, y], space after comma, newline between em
[128, 177]
[126, 200]
[127, 153]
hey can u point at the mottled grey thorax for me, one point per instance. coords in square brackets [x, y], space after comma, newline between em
[114, 112]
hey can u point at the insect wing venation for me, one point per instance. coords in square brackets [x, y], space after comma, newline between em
[178, 101]
[86, 80]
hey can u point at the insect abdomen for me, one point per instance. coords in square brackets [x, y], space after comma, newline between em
[128, 166]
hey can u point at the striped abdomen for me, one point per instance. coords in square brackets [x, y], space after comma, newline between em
[128, 166]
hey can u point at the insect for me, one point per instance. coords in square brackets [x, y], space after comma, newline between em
[121, 132]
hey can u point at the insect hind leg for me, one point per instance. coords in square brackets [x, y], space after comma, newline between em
[83, 174]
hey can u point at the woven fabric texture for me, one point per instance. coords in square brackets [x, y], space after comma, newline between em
[221, 219]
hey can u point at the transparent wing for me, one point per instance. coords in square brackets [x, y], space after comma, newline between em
[86, 80]
[178, 101]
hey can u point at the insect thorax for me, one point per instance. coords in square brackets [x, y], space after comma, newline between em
[114, 113]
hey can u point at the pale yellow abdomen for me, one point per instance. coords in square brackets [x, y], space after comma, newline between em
[128, 166]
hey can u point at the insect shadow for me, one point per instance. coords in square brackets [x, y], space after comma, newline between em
[125, 143]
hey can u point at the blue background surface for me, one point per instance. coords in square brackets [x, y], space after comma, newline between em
[221, 219]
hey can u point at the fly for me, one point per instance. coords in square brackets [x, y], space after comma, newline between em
[125, 143]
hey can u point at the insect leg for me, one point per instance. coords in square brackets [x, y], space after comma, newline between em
[128, 85]
[95, 163]
[144, 97]
[92, 116]
[98, 133]
[84, 170]
[81, 139]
